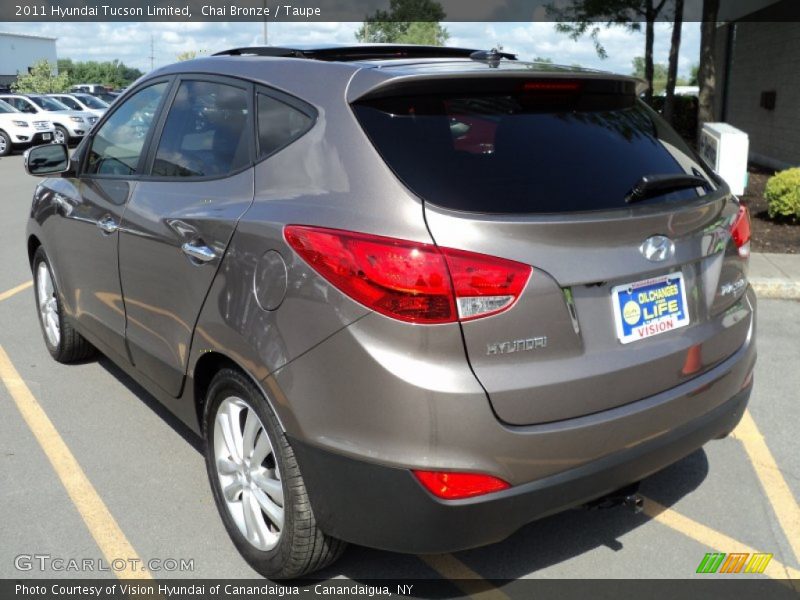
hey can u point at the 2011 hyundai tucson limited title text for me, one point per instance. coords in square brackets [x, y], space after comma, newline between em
[412, 298]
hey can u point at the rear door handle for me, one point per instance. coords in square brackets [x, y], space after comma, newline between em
[107, 224]
[198, 251]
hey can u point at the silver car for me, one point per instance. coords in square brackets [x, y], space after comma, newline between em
[411, 298]
[70, 125]
[82, 102]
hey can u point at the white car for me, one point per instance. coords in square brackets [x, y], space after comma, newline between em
[84, 102]
[70, 125]
[21, 130]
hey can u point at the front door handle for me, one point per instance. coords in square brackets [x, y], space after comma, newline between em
[199, 251]
[107, 224]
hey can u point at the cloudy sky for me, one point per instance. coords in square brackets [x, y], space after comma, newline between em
[130, 42]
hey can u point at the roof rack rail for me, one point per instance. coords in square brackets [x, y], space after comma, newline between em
[359, 52]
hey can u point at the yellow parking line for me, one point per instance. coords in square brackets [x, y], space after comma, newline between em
[714, 539]
[15, 290]
[475, 586]
[778, 492]
[101, 523]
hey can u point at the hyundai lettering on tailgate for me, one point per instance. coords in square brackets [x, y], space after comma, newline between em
[647, 308]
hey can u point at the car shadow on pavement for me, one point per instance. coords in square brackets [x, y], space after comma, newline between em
[535, 547]
[541, 544]
[189, 436]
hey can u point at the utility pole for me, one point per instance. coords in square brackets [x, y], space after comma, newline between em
[266, 36]
[152, 55]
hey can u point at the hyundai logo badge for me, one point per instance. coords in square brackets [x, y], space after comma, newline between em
[657, 248]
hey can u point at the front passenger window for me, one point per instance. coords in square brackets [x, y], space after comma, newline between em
[206, 132]
[118, 144]
[70, 102]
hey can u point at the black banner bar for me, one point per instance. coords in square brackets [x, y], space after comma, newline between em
[711, 588]
[352, 10]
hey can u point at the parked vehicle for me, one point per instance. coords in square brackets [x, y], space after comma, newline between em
[88, 88]
[108, 97]
[82, 102]
[412, 298]
[70, 125]
[18, 130]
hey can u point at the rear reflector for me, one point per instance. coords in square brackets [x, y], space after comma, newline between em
[454, 486]
[410, 281]
[740, 231]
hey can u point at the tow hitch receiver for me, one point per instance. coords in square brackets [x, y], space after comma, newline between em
[628, 497]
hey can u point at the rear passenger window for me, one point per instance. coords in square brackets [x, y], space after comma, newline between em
[278, 125]
[207, 132]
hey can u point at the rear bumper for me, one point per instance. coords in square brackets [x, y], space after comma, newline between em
[385, 507]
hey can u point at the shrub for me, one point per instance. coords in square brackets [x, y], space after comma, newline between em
[783, 194]
[684, 116]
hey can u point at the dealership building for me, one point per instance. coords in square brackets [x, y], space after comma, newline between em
[19, 52]
[758, 81]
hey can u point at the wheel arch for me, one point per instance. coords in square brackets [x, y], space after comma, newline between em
[207, 366]
[33, 245]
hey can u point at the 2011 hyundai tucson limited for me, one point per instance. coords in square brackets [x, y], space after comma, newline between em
[412, 298]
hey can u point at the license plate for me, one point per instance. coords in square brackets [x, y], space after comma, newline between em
[649, 307]
[45, 136]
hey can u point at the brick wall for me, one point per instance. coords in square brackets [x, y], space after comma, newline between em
[766, 57]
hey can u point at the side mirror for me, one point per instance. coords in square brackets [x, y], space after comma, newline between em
[50, 159]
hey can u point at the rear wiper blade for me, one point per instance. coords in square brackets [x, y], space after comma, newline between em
[655, 185]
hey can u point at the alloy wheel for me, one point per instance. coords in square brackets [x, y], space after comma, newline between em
[48, 304]
[248, 473]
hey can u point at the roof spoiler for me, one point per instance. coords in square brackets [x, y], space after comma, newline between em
[363, 52]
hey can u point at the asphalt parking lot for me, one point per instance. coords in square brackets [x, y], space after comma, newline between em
[92, 467]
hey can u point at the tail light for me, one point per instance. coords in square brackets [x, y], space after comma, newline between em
[740, 231]
[410, 281]
[454, 486]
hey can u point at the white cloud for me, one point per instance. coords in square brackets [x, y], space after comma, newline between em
[130, 42]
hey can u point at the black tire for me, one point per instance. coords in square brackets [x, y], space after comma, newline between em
[71, 346]
[62, 133]
[302, 547]
[5, 144]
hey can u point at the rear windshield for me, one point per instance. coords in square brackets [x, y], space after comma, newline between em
[526, 151]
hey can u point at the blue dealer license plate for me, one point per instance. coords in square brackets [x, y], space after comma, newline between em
[649, 307]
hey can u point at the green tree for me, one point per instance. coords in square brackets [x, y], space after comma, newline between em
[707, 74]
[674, 51]
[112, 73]
[582, 17]
[41, 79]
[190, 54]
[406, 22]
[660, 72]
[693, 75]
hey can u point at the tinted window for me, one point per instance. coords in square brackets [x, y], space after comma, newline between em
[91, 101]
[526, 151]
[21, 104]
[49, 103]
[206, 132]
[70, 103]
[7, 108]
[118, 144]
[278, 125]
